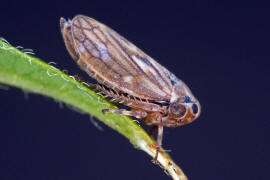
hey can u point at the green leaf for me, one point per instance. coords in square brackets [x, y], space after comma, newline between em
[19, 69]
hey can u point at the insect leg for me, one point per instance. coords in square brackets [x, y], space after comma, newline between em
[159, 140]
[136, 113]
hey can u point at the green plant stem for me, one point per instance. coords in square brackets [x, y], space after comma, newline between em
[21, 70]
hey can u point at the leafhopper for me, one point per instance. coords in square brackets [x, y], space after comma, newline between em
[128, 76]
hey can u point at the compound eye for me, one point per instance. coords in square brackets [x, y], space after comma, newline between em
[195, 108]
[178, 110]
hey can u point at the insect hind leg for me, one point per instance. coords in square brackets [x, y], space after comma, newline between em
[135, 113]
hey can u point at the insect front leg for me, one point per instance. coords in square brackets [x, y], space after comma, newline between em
[155, 119]
[135, 113]
[159, 138]
[159, 141]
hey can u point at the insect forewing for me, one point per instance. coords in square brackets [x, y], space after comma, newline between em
[118, 63]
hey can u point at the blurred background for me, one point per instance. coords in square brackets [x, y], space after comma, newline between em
[221, 51]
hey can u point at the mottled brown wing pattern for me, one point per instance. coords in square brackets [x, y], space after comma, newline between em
[118, 63]
[129, 76]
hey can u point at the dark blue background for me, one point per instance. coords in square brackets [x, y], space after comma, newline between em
[221, 50]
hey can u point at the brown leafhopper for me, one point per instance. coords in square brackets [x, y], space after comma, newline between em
[128, 76]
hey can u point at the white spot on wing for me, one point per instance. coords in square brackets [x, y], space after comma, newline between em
[140, 63]
[91, 48]
[174, 96]
[143, 66]
[116, 76]
[128, 79]
[81, 48]
[103, 51]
